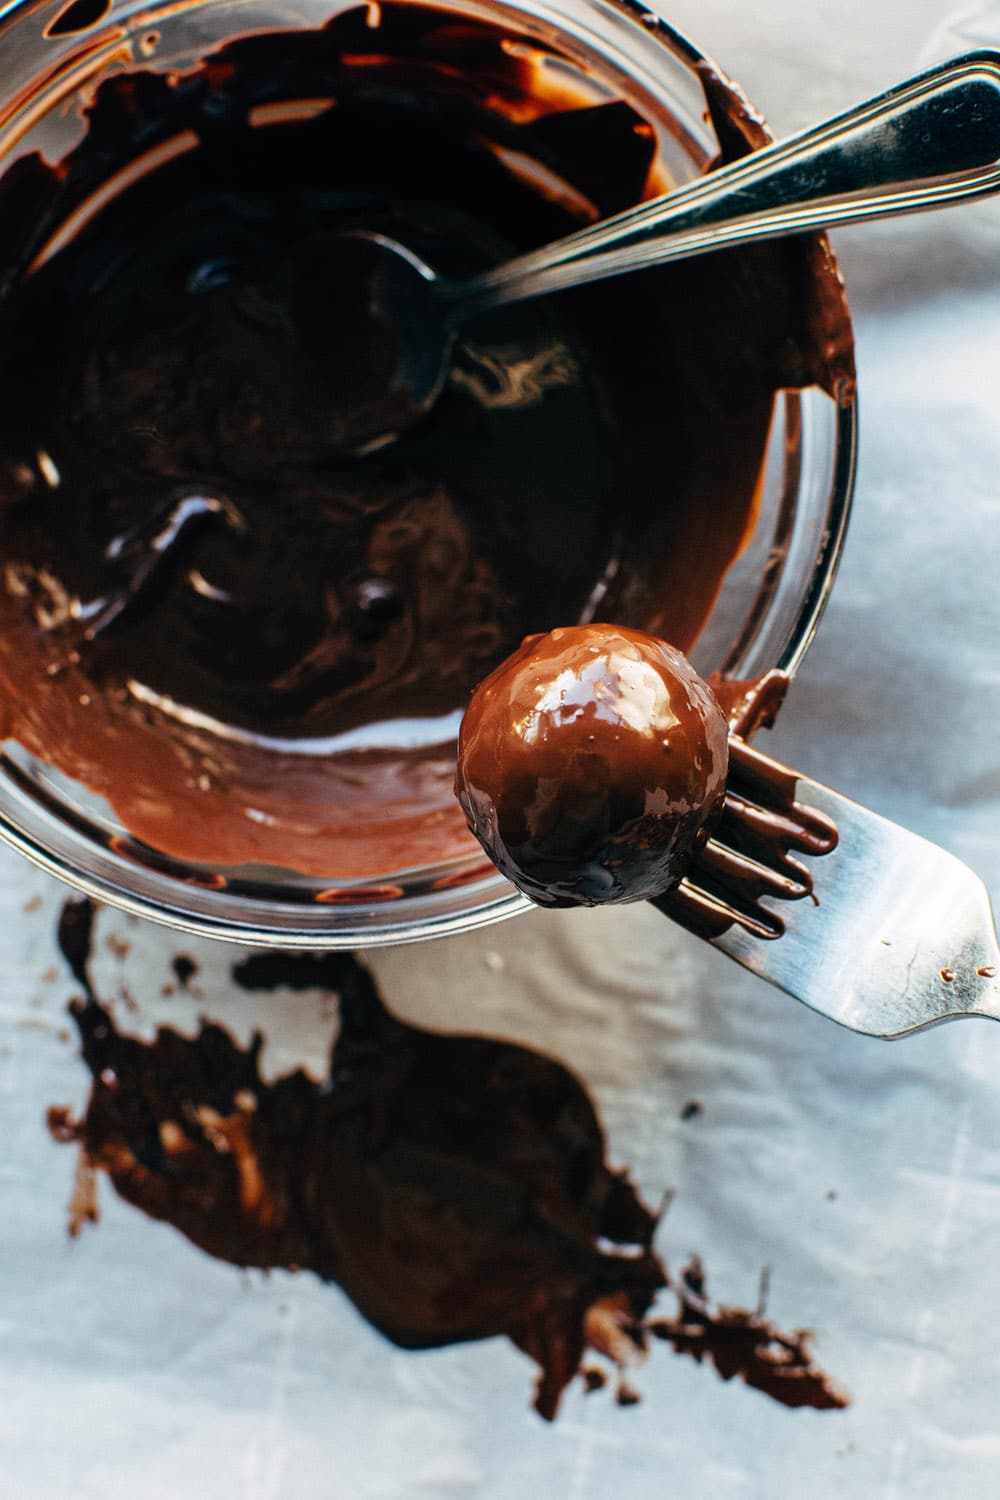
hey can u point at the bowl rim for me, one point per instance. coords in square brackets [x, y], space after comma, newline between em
[139, 881]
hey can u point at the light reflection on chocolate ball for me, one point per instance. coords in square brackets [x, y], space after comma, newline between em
[591, 765]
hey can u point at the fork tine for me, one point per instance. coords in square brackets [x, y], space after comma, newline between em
[725, 866]
[898, 935]
[710, 916]
[754, 851]
[732, 885]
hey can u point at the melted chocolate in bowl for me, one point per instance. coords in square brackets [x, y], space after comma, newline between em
[257, 652]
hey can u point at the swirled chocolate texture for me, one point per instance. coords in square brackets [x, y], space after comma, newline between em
[257, 651]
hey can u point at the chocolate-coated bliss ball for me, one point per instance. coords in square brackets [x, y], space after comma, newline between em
[591, 765]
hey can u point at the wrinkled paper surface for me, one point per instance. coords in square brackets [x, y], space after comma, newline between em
[865, 1175]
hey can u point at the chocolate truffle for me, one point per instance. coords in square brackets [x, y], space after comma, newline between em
[591, 765]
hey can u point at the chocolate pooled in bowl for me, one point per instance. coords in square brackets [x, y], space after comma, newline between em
[257, 651]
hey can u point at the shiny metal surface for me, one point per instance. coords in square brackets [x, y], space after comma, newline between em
[926, 143]
[899, 934]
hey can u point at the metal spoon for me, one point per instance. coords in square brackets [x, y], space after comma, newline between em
[383, 322]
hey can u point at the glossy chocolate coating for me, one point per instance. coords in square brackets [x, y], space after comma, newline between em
[591, 764]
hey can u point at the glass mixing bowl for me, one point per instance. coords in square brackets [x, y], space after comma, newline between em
[52, 55]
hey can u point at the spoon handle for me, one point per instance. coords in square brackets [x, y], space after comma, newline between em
[925, 143]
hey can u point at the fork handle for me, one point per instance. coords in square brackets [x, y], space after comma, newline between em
[925, 143]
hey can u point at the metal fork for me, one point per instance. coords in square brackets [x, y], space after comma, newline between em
[881, 930]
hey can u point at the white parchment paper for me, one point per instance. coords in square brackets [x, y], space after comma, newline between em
[865, 1175]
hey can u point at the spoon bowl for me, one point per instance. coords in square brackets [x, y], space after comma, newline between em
[385, 337]
[371, 315]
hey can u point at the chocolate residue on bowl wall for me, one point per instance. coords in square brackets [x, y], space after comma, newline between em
[455, 1187]
[256, 651]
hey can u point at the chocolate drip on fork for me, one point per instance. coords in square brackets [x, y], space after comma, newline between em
[754, 852]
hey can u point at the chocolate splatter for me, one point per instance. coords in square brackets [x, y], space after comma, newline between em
[273, 969]
[744, 1345]
[454, 1187]
[185, 968]
[74, 935]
